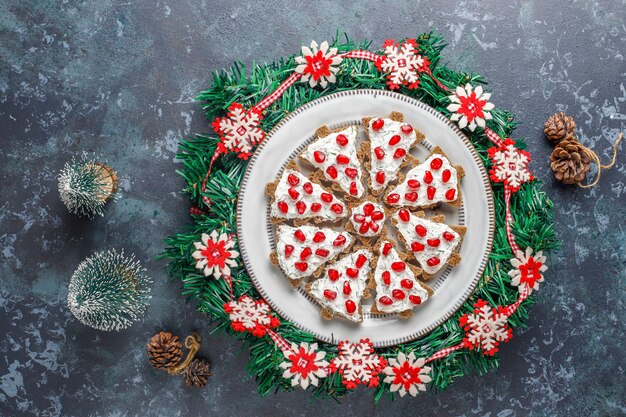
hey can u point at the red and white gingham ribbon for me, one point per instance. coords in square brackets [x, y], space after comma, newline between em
[509, 221]
[282, 344]
[275, 95]
[444, 352]
[362, 54]
[524, 292]
[493, 137]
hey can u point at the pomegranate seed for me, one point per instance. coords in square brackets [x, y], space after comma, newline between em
[315, 207]
[360, 260]
[415, 299]
[288, 250]
[352, 272]
[387, 248]
[395, 139]
[436, 163]
[342, 159]
[353, 189]
[319, 237]
[445, 175]
[374, 227]
[380, 177]
[380, 152]
[350, 307]
[301, 266]
[337, 208]
[378, 124]
[293, 193]
[386, 277]
[398, 294]
[398, 266]
[299, 235]
[399, 153]
[282, 206]
[326, 197]
[308, 187]
[417, 247]
[406, 283]
[342, 140]
[411, 196]
[301, 207]
[332, 172]
[339, 241]
[420, 230]
[378, 215]
[330, 294]
[430, 192]
[404, 215]
[359, 218]
[450, 194]
[319, 157]
[346, 288]
[406, 129]
[413, 183]
[351, 172]
[368, 209]
[293, 180]
[433, 261]
[364, 228]
[385, 300]
[428, 177]
[322, 253]
[448, 236]
[306, 252]
[393, 198]
[333, 274]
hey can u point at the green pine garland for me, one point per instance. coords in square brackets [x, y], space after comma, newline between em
[530, 207]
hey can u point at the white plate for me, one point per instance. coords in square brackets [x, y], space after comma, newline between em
[452, 286]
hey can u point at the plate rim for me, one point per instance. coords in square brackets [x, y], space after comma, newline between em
[489, 196]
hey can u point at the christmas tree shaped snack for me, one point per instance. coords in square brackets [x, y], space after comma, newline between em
[390, 141]
[296, 197]
[303, 250]
[334, 153]
[343, 285]
[397, 288]
[432, 242]
[432, 182]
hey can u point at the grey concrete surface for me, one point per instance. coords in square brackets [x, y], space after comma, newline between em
[118, 78]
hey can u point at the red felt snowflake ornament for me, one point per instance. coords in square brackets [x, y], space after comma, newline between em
[402, 63]
[486, 328]
[240, 131]
[250, 315]
[509, 165]
[358, 364]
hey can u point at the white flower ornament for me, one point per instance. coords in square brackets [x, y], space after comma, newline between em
[318, 64]
[214, 254]
[528, 269]
[470, 107]
[407, 374]
[305, 365]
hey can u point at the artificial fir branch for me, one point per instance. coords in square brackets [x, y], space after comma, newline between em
[531, 209]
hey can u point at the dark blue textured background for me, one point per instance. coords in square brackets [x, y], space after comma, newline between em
[119, 77]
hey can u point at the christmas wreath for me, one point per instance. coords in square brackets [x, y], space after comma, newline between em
[242, 107]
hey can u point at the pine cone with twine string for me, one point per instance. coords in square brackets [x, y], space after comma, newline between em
[570, 162]
[164, 350]
[560, 127]
[197, 373]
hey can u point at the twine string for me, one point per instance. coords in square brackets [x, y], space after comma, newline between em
[192, 342]
[594, 156]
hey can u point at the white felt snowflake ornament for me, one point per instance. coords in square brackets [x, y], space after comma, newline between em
[528, 270]
[358, 364]
[318, 65]
[240, 130]
[509, 165]
[214, 254]
[402, 63]
[470, 107]
[486, 328]
[305, 365]
[407, 374]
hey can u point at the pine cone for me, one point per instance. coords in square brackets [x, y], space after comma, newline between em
[569, 162]
[560, 127]
[197, 373]
[164, 350]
